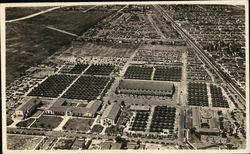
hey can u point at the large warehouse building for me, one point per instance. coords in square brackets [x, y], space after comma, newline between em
[146, 87]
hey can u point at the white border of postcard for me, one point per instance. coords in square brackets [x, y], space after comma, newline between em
[3, 75]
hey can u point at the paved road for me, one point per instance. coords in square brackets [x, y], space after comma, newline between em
[35, 14]
[204, 56]
[189, 143]
[42, 12]
[89, 9]
[58, 134]
[62, 31]
[156, 27]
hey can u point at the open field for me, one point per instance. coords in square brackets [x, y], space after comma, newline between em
[78, 124]
[11, 12]
[28, 45]
[47, 122]
[29, 42]
[75, 21]
[22, 142]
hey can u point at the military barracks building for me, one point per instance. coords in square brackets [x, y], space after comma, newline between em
[63, 107]
[26, 109]
[139, 87]
[111, 114]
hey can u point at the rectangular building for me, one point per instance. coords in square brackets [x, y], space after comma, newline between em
[140, 108]
[26, 109]
[110, 114]
[146, 87]
[63, 107]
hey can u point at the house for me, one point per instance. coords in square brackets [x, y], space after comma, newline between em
[110, 114]
[26, 109]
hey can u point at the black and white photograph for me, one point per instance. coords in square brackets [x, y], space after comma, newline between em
[125, 77]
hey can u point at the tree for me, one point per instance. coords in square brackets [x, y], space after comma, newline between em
[118, 139]
[109, 102]
[192, 130]
[84, 146]
[89, 123]
[138, 142]
[219, 112]
[124, 143]
[122, 103]
[221, 119]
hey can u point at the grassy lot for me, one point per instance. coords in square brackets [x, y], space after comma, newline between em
[25, 123]
[105, 49]
[29, 42]
[64, 144]
[22, 142]
[18, 12]
[78, 124]
[111, 130]
[47, 122]
[97, 129]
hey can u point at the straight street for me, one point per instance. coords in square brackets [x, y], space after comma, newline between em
[203, 55]
[33, 15]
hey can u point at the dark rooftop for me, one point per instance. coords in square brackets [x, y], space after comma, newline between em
[146, 84]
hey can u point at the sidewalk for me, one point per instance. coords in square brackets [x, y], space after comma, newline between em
[65, 119]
